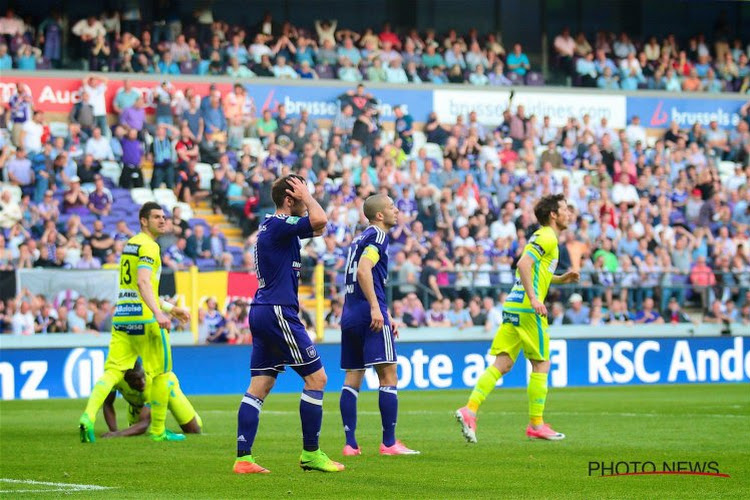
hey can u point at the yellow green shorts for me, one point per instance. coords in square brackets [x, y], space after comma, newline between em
[148, 341]
[522, 329]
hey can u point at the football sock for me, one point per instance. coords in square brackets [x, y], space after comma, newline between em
[537, 392]
[484, 387]
[101, 390]
[248, 418]
[388, 402]
[159, 403]
[311, 414]
[348, 407]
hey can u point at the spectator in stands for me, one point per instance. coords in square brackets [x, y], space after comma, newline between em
[673, 314]
[75, 200]
[83, 114]
[10, 211]
[87, 260]
[101, 242]
[565, 47]
[436, 316]
[125, 97]
[100, 199]
[608, 80]
[23, 320]
[134, 117]
[96, 86]
[132, 155]
[99, 147]
[79, 319]
[458, 316]
[175, 257]
[517, 61]
[198, 245]
[6, 62]
[162, 156]
[577, 313]
[189, 185]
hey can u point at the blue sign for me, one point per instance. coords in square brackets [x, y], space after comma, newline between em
[657, 112]
[71, 373]
[322, 102]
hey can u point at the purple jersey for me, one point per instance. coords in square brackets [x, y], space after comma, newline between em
[372, 242]
[278, 261]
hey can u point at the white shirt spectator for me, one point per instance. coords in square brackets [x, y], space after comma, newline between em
[285, 72]
[395, 74]
[83, 27]
[12, 26]
[622, 192]
[636, 133]
[23, 324]
[259, 50]
[458, 242]
[96, 98]
[482, 275]
[500, 229]
[566, 46]
[32, 141]
[100, 149]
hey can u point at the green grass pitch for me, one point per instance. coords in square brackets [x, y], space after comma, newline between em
[39, 442]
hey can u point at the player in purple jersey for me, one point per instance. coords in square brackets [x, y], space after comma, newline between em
[367, 331]
[279, 338]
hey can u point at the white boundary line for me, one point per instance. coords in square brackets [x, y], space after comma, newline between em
[68, 487]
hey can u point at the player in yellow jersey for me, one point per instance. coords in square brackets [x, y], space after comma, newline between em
[525, 322]
[134, 388]
[139, 327]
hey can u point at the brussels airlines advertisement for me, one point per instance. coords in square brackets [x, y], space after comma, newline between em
[656, 112]
[71, 373]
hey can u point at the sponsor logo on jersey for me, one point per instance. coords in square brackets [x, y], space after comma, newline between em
[131, 249]
[516, 296]
[296, 264]
[129, 310]
[537, 247]
[131, 329]
[147, 260]
[511, 318]
[128, 295]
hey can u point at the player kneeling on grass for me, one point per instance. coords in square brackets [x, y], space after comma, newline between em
[525, 322]
[367, 332]
[134, 388]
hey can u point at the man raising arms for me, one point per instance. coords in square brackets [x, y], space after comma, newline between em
[139, 327]
[525, 322]
[279, 338]
[367, 332]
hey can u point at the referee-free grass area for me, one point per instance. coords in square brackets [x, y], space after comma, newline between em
[700, 423]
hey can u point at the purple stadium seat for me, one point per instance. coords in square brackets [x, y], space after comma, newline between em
[188, 67]
[515, 78]
[326, 71]
[534, 79]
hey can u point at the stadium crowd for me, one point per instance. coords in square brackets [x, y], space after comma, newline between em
[661, 223]
[123, 42]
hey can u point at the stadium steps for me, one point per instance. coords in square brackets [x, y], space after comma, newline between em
[307, 300]
[232, 233]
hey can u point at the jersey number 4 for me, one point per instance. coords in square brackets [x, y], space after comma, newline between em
[351, 264]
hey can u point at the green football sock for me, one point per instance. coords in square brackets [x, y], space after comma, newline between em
[484, 387]
[537, 392]
[101, 390]
[159, 403]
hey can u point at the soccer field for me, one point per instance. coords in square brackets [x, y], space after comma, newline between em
[699, 423]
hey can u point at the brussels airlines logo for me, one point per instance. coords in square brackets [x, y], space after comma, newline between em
[82, 368]
[660, 116]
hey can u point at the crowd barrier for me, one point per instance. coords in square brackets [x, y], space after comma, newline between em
[57, 91]
[70, 372]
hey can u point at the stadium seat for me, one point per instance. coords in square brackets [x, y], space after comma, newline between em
[419, 140]
[142, 195]
[111, 170]
[256, 147]
[58, 129]
[187, 210]
[165, 197]
[434, 151]
[534, 79]
[515, 78]
[206, 172]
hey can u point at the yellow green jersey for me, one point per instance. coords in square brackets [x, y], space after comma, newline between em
[141, 251]
[542, 248]
[136, 399]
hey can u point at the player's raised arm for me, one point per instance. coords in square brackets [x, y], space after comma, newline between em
[367, 284]
[147, 294]
[299, 191]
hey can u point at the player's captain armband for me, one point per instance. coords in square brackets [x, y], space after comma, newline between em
[372, 254]
[292, 220]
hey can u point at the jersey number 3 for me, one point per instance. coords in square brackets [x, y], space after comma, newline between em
[125, 277]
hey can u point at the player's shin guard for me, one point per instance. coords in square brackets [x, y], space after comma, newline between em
[101, 390]
[159, 403]
[248, 418]
[348, 407]
[484, 387]
[311, 414]
[388, 402]
[537, 392]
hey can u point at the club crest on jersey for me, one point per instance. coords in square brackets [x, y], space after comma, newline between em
[311, 352]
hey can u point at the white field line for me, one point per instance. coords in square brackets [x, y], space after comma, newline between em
[565, 413]
[68, 487]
